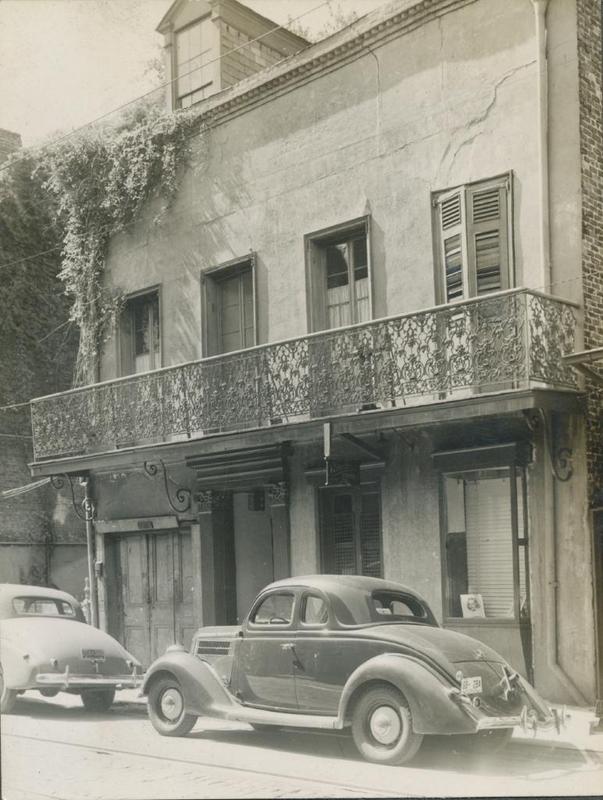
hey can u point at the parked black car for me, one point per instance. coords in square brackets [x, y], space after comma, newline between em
[331, 651]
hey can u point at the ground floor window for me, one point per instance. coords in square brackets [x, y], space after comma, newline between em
[350, 531]
[485, 544]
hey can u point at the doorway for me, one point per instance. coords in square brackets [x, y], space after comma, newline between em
[155, 590]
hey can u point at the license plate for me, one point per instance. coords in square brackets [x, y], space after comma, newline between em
[471, 685]
[93, 655]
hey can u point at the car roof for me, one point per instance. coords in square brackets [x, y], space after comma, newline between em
[334, 583]
[8, 591]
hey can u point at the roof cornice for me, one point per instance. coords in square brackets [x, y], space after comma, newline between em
[396, 18]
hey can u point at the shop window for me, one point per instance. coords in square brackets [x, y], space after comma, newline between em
[194, 62]
[485, 552]
[140, 340]
[472, 239]
[350, 531]
[229, 308]
[339, 276]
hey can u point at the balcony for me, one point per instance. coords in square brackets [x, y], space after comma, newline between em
[500, 343]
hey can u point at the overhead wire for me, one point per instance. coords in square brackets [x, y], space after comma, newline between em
[156, 89]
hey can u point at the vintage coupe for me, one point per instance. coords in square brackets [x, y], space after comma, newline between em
[331, 651]
[46, 644]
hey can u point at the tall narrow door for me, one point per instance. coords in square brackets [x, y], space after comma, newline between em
[157, 592]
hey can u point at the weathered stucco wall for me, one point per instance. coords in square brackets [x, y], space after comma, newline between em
[452, 101]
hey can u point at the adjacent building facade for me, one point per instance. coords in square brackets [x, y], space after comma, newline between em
[342, 349]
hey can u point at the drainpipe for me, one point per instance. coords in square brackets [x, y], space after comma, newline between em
[540, 7]
[89, 511]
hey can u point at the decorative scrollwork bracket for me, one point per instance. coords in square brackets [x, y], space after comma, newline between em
[182, 495]
[58, 482]
[561, 457]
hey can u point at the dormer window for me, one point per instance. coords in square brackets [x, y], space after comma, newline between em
[195, 54]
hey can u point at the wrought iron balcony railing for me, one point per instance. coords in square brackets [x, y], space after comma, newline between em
[498, 343]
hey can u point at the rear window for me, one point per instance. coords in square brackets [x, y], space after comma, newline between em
[393, 606]
[43, 607]
[366, 608]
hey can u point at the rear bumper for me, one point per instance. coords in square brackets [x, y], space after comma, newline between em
[67, 680]
[525, 720]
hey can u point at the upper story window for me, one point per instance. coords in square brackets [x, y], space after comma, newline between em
[473, 241]
[194, 65]
[339, 276]
[140, 334]
[229, 307]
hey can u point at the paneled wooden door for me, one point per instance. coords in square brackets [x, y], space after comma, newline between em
[157, 592]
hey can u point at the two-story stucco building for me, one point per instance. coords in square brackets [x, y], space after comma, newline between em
[342, 347]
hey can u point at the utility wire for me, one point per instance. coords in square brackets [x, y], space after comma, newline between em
[173, 80]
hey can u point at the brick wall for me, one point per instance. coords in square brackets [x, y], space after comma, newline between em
[243, 63]
[591, 148]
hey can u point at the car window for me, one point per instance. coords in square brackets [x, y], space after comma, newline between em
[43, 606]
[274, 610]
[314, 610]
[394, 606]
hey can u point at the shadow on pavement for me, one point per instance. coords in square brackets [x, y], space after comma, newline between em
[33, 707]
[517, 759]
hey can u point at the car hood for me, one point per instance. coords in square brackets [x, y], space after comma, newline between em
[59, 638]
[437, 643]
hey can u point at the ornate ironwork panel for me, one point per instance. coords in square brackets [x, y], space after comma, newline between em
[500, 342]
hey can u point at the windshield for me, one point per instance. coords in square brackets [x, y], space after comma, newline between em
[43, 607]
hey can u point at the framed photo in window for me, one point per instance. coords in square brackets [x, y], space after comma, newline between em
[472, 605]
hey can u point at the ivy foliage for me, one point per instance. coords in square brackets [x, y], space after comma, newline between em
[37, 344]
[99, 183]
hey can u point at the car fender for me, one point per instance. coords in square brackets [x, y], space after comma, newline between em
[432, 709]
[202, 690]
[18, 667]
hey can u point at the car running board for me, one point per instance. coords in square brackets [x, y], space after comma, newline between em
[258, 716]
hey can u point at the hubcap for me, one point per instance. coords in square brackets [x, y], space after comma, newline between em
[171, 704]
[385, 725]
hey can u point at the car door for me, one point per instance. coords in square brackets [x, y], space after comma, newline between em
[319, 673]
[263, 672]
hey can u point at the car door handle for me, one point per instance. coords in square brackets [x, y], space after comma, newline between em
[288, 646]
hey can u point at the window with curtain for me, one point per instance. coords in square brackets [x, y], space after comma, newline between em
[485, 561]
[140, 334]
[339, 276]
[473, 247]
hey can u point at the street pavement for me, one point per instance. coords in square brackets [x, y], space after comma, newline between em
[52, 748]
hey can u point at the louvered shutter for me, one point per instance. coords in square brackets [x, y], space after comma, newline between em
[451, 241]
[487, 244]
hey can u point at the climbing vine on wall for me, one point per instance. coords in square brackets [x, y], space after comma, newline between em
[101, 181]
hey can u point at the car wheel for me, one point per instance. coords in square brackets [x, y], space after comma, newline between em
[382, 727]
[98, 699]
[166, 708]
[8, 697]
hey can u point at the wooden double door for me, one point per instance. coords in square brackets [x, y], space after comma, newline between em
[157, 588]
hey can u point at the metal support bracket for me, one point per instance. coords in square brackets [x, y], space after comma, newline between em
[561, 457]
[182, 495]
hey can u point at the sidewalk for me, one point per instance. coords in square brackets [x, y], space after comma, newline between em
[576, 735]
